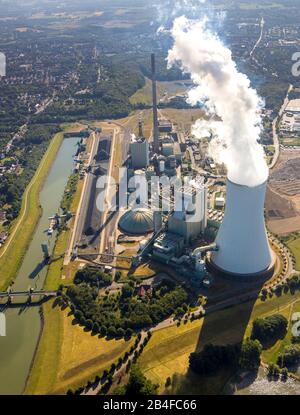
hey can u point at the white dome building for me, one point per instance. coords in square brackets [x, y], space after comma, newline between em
[137, 221]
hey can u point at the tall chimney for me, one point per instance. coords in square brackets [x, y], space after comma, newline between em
[154, 96]
[141, 132]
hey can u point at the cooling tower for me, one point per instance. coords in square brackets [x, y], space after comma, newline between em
[243, 247]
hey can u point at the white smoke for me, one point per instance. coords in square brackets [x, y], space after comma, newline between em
[229, 96]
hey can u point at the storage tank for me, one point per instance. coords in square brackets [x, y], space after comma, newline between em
[243, 246]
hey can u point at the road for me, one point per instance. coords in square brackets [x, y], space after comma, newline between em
[95, 389]
[12, 294]
[274, 128]
[262, 25]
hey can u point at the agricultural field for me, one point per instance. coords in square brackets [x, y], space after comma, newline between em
[282, 201]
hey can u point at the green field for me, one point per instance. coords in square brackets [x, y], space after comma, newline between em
[21, 232]
[294, 246]
[271, 354]
[167, 89]
[54, 272]
[67, 356]
[167, 353]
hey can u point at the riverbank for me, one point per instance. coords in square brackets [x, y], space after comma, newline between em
[70, 357]
[24, 325]
[13, 252]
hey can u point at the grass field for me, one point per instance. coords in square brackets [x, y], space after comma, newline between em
[70, 357]
[55, 269]
[272, 353]
[290, 141]
[164, 89]
[167, 353]
[147, 270]
[14, 250]
[185, 118]
[294, 246]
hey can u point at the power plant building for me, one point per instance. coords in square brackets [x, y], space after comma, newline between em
[137, 222]
[165, 126]
[179, 224]
[189, 218]
[168, 149]
[242, 241]
[191, 200]
[167, 246]
[139, 151]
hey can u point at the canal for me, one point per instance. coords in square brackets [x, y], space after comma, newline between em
[24, 324]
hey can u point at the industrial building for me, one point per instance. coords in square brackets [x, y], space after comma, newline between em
[178, 152]
[219, 201]
[167, 246]
[168, 149]
[165, 126]
[170, 166]
[139, 151]
[180, 224]
[190, 218]
[137, 221]
[290, 122]
[194, 194]
[293, 106]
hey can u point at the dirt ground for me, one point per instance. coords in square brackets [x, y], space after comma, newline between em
[283, 195]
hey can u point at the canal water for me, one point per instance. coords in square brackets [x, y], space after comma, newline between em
[23, 324]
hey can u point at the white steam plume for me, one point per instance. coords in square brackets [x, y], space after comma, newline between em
[215, 75]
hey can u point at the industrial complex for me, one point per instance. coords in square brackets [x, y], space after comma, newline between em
[180, 209]
[150, 200]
